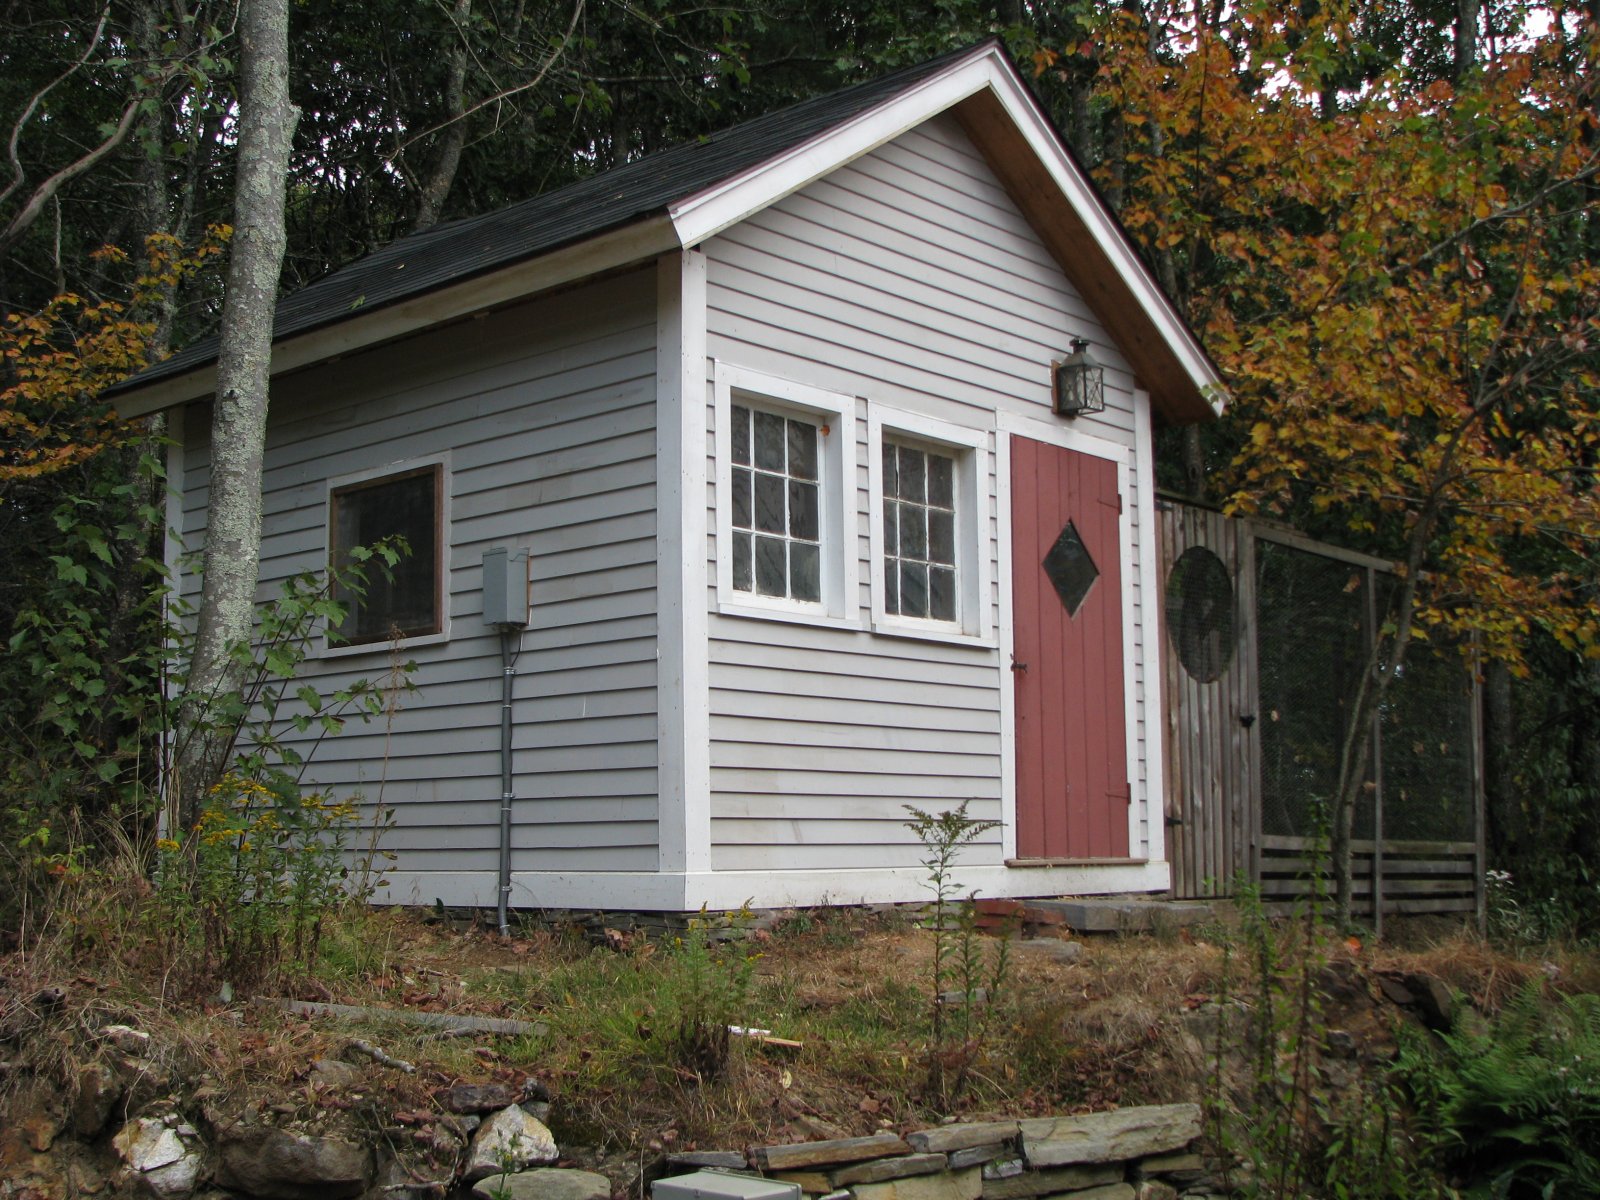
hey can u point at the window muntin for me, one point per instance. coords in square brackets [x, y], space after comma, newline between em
[776, 505]
[919, 540]
[403, 602]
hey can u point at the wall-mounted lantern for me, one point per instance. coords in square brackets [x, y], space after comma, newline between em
[1079, 383]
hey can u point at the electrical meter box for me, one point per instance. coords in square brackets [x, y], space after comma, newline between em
[505, 588]
[713, 1185]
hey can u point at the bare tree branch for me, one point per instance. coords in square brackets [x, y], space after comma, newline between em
[17, 173]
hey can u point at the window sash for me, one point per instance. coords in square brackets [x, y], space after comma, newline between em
[776, 505]
[404, 601]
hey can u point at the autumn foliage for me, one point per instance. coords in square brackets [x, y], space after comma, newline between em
[61, 358]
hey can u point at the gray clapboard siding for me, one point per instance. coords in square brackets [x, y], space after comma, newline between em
[547, 413]
[907, 278]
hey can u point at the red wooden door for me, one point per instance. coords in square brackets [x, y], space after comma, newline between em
[1066, 588]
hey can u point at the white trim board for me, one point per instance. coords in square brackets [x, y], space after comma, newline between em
[621, 891]
[683, 723]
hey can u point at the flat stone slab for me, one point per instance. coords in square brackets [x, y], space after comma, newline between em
[947, 1185]
[881, 1169]
[1048, 1183]
[945, 1138]
[1110, 1136]
[1096, 915]
[545, 1183]
[720, 1160]
[1111, 1191]
[977, 1156]
[837, 1152]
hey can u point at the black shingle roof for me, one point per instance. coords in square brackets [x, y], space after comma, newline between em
[458, 250]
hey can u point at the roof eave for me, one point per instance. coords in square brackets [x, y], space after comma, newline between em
[628, 245]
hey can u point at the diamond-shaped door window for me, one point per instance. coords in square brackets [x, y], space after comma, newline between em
[1070, 569]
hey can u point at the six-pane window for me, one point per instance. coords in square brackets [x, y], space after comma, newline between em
[775, 520]
[919, 533]
[403, 602]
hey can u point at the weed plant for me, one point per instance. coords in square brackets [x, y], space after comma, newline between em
[1297, 1133]
[967, 979]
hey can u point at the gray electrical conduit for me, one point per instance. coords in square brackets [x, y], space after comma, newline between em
[507, 674]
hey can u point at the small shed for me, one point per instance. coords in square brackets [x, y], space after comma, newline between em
[764, 431]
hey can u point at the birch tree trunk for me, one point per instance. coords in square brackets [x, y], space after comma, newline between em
[239, 414]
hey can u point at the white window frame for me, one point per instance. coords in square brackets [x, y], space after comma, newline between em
[973, 452]
[836, 495]
[331, 649]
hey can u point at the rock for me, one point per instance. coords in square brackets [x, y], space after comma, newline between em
[1436, 1003]
[40, 1132]
[1154, 1189]
[546, 1183]
[721, 1160]
[478, 1097]
[1340, 1042]
[812, 1183]
[1004, 1169]
[260, 1160]
[331, 1072]
[1396, 992]
[1052, 948]
[976, 1156]
[962, 1137]
[948, 1185]
[881, 1169]
[835, 1152]
[1110, 1136]
[1111, 1191]
[1171, 1164]
[97, 1094]
[128, 1039]
[509, 1140]
[1048, 1183]
[167, 1160]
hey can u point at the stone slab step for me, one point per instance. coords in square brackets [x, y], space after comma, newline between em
[1095, 914]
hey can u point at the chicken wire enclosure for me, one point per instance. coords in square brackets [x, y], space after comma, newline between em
[1311, 643]
[1266, 636]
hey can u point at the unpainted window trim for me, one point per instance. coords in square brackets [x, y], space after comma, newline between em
[439, 467]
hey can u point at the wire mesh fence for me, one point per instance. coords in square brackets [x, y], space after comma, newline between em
[1312, 639]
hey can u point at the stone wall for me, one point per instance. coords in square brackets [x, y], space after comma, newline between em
[1129, 1154]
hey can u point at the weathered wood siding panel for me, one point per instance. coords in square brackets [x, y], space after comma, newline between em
[910, 280]
[547, 413]
[1212, 801]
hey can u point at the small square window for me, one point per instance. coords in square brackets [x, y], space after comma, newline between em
[785, 482]
[404, 601]
[930, 516]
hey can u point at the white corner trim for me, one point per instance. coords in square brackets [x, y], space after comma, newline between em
[683, 731]
[1152, 596]
[1008, 683]
[837, 495]
[632, 244]
[972, 447]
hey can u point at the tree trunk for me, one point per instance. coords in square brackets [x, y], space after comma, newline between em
[1499, 745]
[239, 414]
[1466, 47]
[453, 139]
